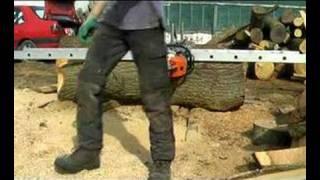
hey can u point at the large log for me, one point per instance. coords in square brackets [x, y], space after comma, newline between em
[258, 13]
[277, 31]
[215, 86]
[256, 35]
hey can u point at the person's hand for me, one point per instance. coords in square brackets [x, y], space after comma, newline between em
[86, 29]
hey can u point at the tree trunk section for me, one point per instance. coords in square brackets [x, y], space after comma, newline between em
[264, 70]
[256, 35]
[277, 31]
[218, 86]
[213, 86]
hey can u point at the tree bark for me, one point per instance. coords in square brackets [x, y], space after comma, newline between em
[277, 31]
[214, 86]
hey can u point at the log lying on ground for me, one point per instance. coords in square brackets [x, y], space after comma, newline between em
[214, 86]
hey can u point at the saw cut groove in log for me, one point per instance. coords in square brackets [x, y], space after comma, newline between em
[214, 86]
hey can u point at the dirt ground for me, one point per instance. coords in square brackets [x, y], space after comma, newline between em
[213, 145]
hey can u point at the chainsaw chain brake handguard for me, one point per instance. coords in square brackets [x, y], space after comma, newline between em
[180, 60]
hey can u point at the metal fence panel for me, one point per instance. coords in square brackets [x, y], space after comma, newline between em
[213, 16]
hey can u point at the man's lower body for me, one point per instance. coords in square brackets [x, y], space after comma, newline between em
[149, 52]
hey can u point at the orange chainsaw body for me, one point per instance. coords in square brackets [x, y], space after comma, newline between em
[178, 65]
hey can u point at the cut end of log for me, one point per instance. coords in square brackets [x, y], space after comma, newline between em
[287, 16]
[278, 33]
[298, 22]
[256, 35]
[264, 70]
[303, 46]
[297, 33]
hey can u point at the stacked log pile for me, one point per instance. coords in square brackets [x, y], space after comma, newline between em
[267, 32]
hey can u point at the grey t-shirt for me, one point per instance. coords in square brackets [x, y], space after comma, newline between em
[133, 15]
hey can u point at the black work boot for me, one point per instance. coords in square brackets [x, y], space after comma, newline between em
[160, 171]
[79, 160]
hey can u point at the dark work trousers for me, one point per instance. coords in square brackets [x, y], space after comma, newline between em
[149, 51]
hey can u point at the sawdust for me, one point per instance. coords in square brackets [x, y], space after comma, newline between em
[208, 144]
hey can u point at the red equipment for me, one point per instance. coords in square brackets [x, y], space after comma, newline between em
[62, 11]
[32, 30]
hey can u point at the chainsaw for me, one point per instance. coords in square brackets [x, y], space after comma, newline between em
[180, 60]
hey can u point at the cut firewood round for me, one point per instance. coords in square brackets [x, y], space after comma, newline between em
[300, 68]
[256, 35]
[298, 22]
[287, 16]
[297, 33]
[278, 33]
[264, 70]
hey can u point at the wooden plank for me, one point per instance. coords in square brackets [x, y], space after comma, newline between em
[291, 156]
[298, 174]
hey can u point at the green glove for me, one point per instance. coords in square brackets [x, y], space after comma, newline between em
[85, 31]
